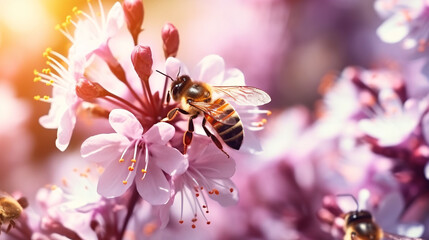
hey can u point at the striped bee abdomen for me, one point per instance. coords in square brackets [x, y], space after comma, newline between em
[227, 124]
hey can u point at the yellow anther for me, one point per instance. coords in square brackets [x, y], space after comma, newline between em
[57, 27]
[64, 24]
[68, 19]
[37, 79]
[264, 121]
[48, 63]
[35, 72]
[46, 97]
[49, 83]
[133, 160]
[269, 113]
[46, 70]
[124, 182]
[130, 168]
[144, 170]
[88, 1]
[74, 9]
[37, 98]
[46, 52]
[121, 160]
[54, 187]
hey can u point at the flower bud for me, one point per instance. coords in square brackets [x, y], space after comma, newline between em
[170, 37]
[142, 61]
[134, 13]
[88, 90]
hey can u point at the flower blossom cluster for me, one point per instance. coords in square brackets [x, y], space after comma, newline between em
[159, 172]
[144, 165]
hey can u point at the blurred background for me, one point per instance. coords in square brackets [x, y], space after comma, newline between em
[285, 47]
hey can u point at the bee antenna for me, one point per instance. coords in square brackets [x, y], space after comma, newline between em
[351, 196]
[178, 73]
[165, 75]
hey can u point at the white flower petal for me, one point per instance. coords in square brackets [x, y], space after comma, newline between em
[125, 123]
[225, 197]
[168, 159]
[65, 129]
[111, 184]
[174, 67]
[234, 77]
[214, 163]
[394, 29]
[154, 188]
[103, 147]
[115, 20]
[159, 133]
[211, 70]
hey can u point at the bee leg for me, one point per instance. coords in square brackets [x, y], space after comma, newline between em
[187, 137]
[213, 137]
[172, 114]
[11, 225]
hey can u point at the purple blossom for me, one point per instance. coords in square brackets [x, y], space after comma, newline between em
[131, 150]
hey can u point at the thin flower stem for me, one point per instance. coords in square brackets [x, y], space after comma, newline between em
[125, 102]
[132, 203]
[135, 95]
[149, 93]
[164, 93]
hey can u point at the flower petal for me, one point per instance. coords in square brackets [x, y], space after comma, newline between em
[103, 147]
[234, 77]
[111, 183]
[65, 129]
[168, 159]
[226, 197]
[125, 123]
[174, 68]
[159, 133]
[394, 29]
[154, 188]
[115, 20]
[210, 70]
[213, 163]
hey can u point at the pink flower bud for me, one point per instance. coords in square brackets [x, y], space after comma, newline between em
[134, 13]
[142, 61]
[88, 90]
[170, 36]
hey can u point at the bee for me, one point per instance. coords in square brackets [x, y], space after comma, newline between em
[198, 98]
[10, 209]
[360, 225]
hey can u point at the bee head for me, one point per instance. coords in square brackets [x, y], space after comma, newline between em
[357, 216]
[178, 85]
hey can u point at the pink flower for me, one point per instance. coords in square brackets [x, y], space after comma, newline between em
[393, 121]
[209, 172]
[211, 70]
[129, 151]
[92, 33]
[64, 101]
[406, 21]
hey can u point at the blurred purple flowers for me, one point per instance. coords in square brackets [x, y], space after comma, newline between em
[368, 138]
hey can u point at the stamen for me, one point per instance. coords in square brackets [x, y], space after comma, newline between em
[144, 170]
[121, 160]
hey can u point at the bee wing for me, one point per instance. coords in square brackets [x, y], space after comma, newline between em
[217, 110]
[391, 236]
[243, 95]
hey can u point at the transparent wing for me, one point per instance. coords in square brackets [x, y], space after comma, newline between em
[219, 110]
[243, 95]
[391, 236]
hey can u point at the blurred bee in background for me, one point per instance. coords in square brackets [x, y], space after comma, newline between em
[10, 210]
[197, 98]
[360, 225]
